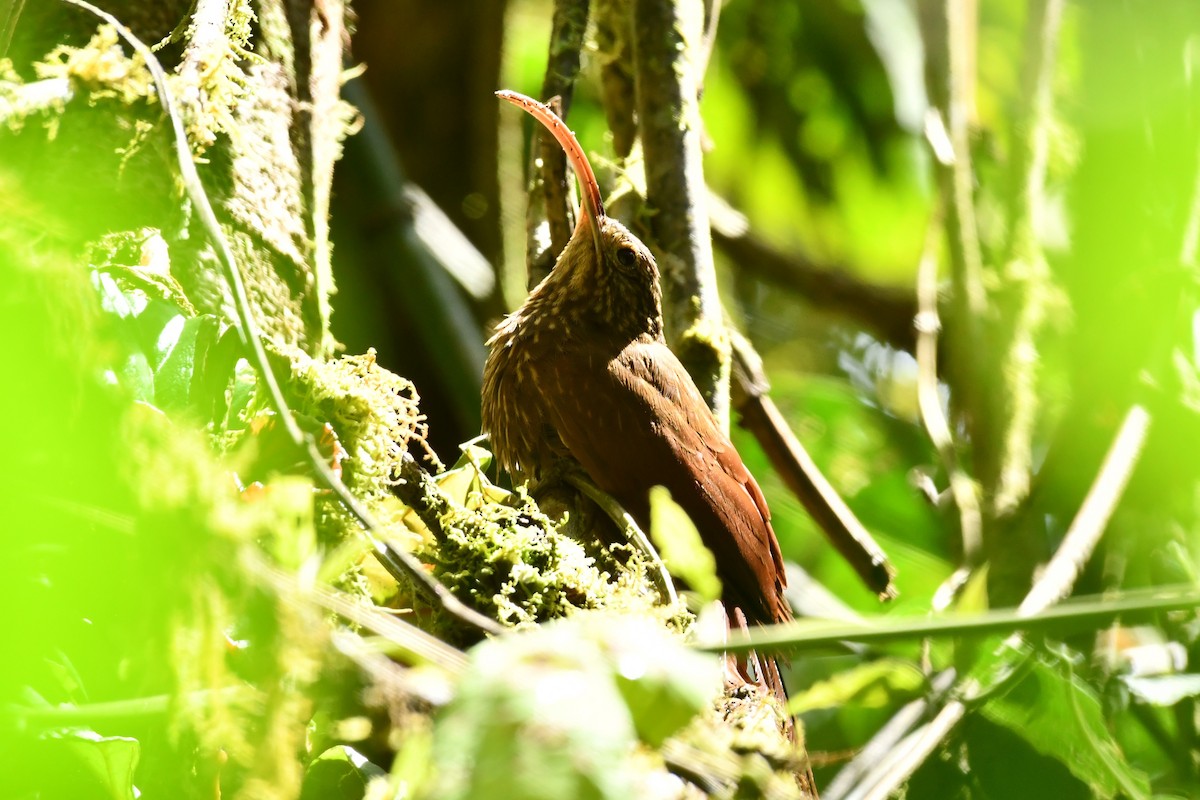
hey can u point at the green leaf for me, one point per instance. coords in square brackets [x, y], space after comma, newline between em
[106, 763]
[180, 352]
[136, 376]
[166, 347]
[1059, 716]
[871, 685]
[998, 763]
[339, 773]
[466, 483]
[474, 454]
[680, 546]
[664, 683]
[539, 715]
[113, 300]
[535, 718]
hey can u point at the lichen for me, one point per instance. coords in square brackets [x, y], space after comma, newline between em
[20, 100]
[209, 84]
[212, 81]
[737, 747]
[512, 562]
[374, 413]
[704, 349]
[101, 67]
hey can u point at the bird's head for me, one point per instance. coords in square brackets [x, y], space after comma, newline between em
[604, 265]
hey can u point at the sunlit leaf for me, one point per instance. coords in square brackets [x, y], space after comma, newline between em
[108, 761]
[180, 359]
[664, 683]
[537, 716]
[1060, 716]
[869, 685]
[339, 773]
[679, 544]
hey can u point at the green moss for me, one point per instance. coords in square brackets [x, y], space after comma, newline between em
[704, 349]
[512, 563]
[212, 80]
[209, 84]
[101, 67]
[498, 551]
[736, 745]
[375, 414]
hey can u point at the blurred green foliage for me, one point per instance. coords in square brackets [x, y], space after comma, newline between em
[147, 650]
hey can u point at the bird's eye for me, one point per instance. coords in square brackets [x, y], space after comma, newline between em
[626, 257]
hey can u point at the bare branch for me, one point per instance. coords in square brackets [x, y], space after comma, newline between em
[928, 326]
[886, 741]
[1102, 498]
[1027, 286]
[419, 646]
[1055, 583]
[629, 527]
[614, 49]
[802, 475]
[950, 36]
[666, 37]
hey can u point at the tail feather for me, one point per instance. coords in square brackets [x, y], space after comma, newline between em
[766, 672]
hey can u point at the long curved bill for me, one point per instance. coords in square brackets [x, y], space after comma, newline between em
[589, 189]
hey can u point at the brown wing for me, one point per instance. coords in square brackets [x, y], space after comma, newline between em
[637, 421]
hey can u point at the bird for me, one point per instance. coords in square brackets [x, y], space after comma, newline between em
[582, 372]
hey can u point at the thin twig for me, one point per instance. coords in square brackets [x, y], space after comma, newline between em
[26, 718]
[1013, 403]
[1055, 583]
[8, 25]
[950, 35]
[1083, 612]
[929, 400]
[887, 740]
[391, 683]
[761, 417]
[966, 254]
[708, 43]
[400, 564]
[920, 745]
[1032, 141]
[1077, 545]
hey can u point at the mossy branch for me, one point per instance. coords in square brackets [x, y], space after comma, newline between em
[791, 460]
[667, 37]
[397, 562]
[1027, 288]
